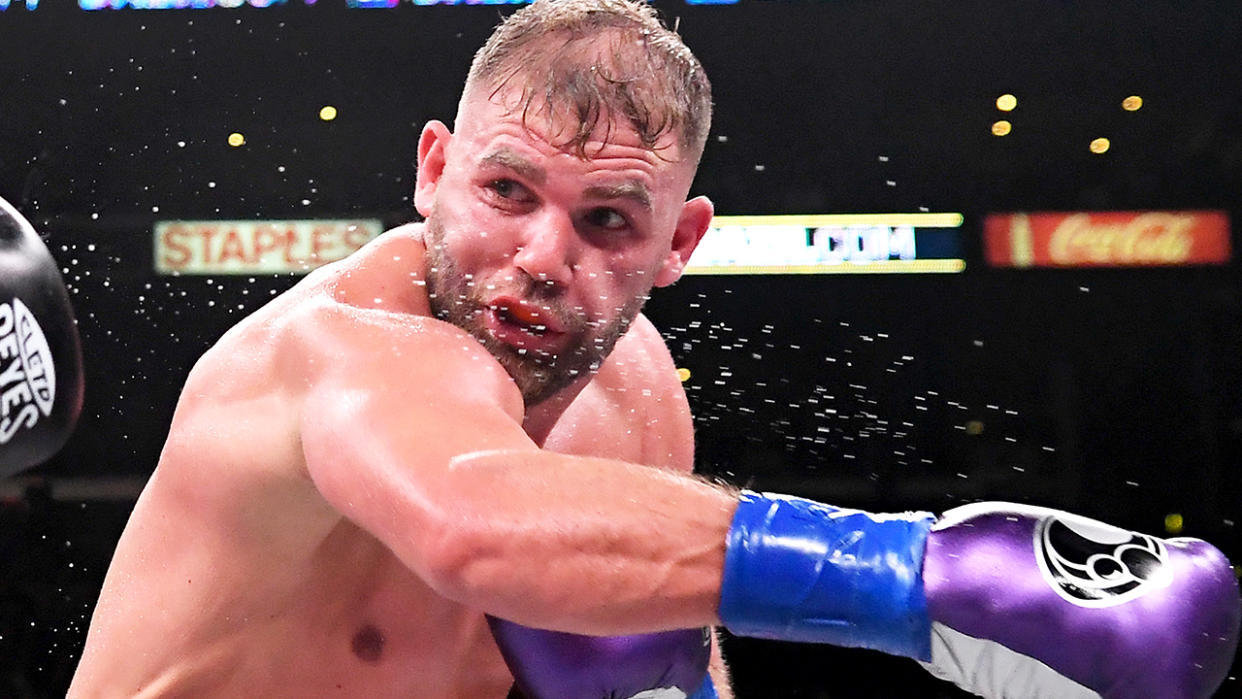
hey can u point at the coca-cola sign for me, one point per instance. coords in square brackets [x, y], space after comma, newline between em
[1107, 239]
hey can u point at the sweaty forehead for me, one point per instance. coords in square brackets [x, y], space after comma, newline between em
[483, 114]
[629, 185]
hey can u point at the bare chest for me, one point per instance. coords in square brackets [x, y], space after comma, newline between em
[394, 636]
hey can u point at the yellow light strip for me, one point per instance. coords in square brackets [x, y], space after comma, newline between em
[944, 266]
[921, 220]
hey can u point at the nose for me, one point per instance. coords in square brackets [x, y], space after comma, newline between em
[547, 249]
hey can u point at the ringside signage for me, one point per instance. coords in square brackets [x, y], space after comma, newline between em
[1107, 239]
[256, 247]
[830, 244]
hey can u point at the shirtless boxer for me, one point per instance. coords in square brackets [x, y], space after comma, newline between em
[439, 432]
[303, 532]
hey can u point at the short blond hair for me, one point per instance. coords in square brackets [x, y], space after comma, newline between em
[596, 59]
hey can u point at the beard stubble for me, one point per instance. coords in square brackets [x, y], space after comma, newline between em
[539, 375]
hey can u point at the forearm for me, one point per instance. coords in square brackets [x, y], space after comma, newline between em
[582, 545]
[968, 597]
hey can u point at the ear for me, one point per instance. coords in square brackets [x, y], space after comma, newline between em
[432, 144]
[695, 219]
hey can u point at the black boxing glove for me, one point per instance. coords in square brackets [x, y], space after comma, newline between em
[40, 355]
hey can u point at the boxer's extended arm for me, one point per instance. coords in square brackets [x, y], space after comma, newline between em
[1008, 601]
[613, 546]
[434, 463]
[594, 546]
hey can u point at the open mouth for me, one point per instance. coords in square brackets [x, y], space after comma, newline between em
[527, 318]
[524, 325]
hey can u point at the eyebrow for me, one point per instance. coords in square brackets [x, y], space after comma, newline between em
[510, 160]
[632, 190]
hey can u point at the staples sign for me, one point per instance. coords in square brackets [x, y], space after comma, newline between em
[256, 247]
[1107, 239]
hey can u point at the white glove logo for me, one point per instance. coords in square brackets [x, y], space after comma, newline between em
[27, 379]
[1092, 564]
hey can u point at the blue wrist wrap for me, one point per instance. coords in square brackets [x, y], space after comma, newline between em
[798, 570]
[706, 691]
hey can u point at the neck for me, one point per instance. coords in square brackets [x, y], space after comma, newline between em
[541, 417]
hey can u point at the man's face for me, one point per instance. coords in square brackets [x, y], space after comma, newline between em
[545, 257]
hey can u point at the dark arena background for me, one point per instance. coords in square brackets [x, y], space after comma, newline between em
[1049, 310]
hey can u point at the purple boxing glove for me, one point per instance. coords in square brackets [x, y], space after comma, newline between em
[556, 665]
[1031, 602]
[1007, 601]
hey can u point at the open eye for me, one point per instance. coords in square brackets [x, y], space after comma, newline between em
[607, 219]
[510, 190]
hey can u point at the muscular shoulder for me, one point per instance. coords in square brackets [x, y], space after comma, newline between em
[363, 323]
[640, 375]
[376, 311]
[640, 354]
[388, 273]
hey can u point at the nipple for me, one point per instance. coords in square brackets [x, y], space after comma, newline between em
[368, 644]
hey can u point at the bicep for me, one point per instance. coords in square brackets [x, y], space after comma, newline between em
[378, 447]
